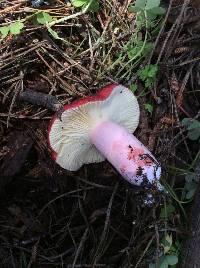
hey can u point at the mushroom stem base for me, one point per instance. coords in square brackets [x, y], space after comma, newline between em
[127, 154]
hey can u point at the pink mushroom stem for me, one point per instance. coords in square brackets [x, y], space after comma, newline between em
[127, 154]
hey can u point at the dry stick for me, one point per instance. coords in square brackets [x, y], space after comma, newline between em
[144, 252]
[176, 23]
[66, 57]
[188, 61]
[18, 87]
[12, 8]
[161, 31]
[100, 40]
[71, 88]
[73, 16]
[65, 69]
[25, 50]
[103, 239]
[185, 80]
[40, 99]
[80, 246]
[59, 197]
[65, 84]
[179, 124]
[91, 50]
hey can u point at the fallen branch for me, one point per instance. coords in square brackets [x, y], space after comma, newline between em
[40, 99]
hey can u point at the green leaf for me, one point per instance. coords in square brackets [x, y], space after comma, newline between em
[152, 4]
[150, 18]
[167, 243]
[132, 52]
[44, 18]
[134, 9]
[15, 28]
[171, 259]
[147, 48]
[189, 188]
[94, 6]
[186, 122]
[148, 71]
[53, 33]
[133, 87]
[193, 127]
[148, 107]
[190, 185]
[79, 3]
[152, 265]
[163, 262]
[140, 4]
[167, 212]
[190, 177]
[157, 11]
[153, 69]
[190, 194]
[4, 31]
[195, 124]
[194, 134]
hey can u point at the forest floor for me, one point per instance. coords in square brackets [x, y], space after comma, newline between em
[50, 217]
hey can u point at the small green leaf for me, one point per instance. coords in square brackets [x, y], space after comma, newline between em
[134, 9]
[133, 51]
[148, 107]
[163, 262]
[152, 265]
[148, 71]
[94, 6]
[157, 11]
[194, 125]
[152, 4]
[194, 134]
[186, 122]
[190, 185]
[79, 3]
[147, 48]
[140, 3]
[190, 194]
[189, 188]
[153, 69]
[190, 177]
[167, 211]
[44, 18]
[150, 18]
[133, 87]
[4, 31]
[167, 243]
[15, 28]
[171, 259]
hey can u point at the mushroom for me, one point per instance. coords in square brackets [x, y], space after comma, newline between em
[100, 127]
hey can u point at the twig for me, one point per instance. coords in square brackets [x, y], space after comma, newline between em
[73, 16]
[103, 239]
[80, 246]
[40, 99]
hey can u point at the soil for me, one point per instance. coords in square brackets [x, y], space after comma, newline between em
[50, 217]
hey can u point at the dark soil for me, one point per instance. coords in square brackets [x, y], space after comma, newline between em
[50, 217]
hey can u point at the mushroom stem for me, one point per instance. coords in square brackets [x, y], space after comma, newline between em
[127, 154]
